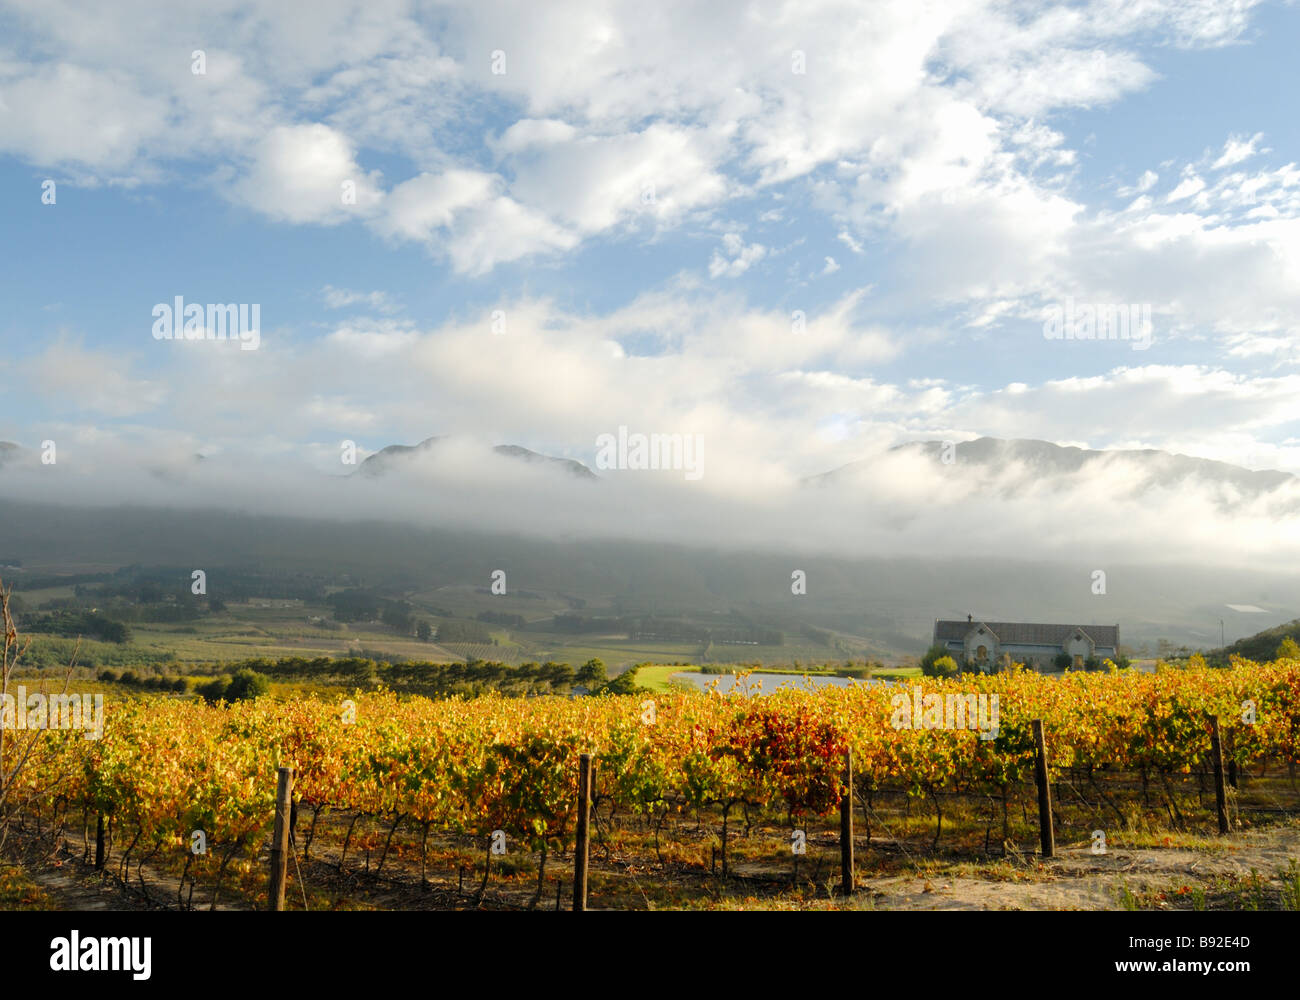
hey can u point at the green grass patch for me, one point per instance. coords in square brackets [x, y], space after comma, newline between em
[18, 891]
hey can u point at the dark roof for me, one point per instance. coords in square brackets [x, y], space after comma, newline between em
[1027, 633]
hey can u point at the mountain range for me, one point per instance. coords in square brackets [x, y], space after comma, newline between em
[1042, 459]
[1026, 458]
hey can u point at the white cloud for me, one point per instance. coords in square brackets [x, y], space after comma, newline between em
[416, 208]
[341, 298]
[1188, 186]
[844, 237]
[736, 257]
[530, 133]
[299, 174]
[1238, 149]
[621, 121]
[597, 183]
[62, 113]
[93, 380]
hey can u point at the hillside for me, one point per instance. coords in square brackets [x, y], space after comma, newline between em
[1263, 645]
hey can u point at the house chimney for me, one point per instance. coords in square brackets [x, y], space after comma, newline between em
[969, 618]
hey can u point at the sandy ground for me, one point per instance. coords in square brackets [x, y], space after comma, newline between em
[1077, 879]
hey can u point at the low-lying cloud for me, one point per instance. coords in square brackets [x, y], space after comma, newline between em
[898, 503]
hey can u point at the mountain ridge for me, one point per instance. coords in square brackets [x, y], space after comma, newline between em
[1045, 458]
[386, 459]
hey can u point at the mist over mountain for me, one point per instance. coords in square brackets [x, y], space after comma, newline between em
[1043, 460]
[1006, 530]
[395, 457]
[1030, 499]
[893, 601]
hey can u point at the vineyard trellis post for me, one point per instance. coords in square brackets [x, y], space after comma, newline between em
[1046, 835]
[99, 842]
[280, 837]
[1216, 761]
[586, 777]
[846, 826]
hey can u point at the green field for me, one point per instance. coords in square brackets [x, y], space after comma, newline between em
[276, 627]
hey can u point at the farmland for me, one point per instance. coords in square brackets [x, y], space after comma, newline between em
[398, 799]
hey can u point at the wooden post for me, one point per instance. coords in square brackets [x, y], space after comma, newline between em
[99, 842]
[1231, 742]
[1216, 760]
[1046, 835]
[585, 775]
[280, 838]
[846, 827]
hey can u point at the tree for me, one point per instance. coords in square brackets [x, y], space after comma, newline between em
[397, 614]
[19, 749]
[932, 655]
[1288, 650]
[213, 690]
[624, 683]
[424, 631]
[592, 675]
[246, 685]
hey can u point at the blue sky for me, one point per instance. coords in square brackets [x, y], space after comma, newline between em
[649, 196]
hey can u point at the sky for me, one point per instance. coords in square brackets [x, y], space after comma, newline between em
[800, 232]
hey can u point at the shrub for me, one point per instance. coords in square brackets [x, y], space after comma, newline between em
[935, 653]
[213, 690]
[246, 685]
[624, 683]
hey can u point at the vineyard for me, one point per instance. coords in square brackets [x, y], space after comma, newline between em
[699, 785]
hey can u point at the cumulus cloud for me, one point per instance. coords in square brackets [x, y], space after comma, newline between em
[307, 173]
[612, 119]
[918, 131]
